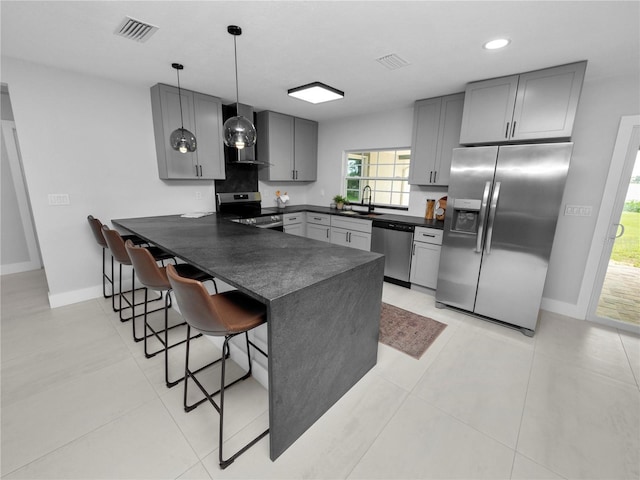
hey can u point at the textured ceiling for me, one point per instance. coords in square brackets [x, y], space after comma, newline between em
[287, 44]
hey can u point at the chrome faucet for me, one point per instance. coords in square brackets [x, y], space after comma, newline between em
[370, 208]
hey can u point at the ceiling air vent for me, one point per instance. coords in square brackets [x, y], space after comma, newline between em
[392, 61]
[135, 29]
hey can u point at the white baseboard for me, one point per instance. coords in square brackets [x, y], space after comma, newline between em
[74, 296]
[19, 267]
[562, 308]
[82, 295]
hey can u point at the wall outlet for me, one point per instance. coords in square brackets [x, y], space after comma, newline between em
[198, 195]
[57, 199]
[578, 210]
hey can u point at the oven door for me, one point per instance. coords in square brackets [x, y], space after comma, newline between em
[277, 226]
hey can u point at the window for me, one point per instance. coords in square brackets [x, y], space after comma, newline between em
[385, 171]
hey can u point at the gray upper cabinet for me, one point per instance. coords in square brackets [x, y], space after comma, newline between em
[290, 145]
[532, 106]
[305, 150]
[202, 116]
[436, 132]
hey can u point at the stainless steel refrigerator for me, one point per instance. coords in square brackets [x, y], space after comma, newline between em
[503, 205]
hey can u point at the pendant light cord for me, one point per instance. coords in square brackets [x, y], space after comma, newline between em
[180, 100]
[235, 54]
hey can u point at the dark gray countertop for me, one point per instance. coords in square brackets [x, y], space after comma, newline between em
[409, 220]
[323, 307]
[263, 263]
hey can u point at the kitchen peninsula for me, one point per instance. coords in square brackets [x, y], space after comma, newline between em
[323, 307]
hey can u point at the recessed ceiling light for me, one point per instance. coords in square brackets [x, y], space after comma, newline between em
[316, 92]
[497, 43]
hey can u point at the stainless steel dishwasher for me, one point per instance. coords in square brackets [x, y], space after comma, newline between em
[394, 240]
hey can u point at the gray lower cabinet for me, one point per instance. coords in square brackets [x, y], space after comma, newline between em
[436, 132]
[425, 259]
[351, 232]
[290, 145]
[202, 115]
[294, 224]
[351, 238]
[531, 106]
[319, 226]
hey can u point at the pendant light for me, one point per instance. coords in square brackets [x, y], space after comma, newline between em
[239, 132]
[181, 139]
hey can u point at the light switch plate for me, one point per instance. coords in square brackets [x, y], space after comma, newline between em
[578, 210]
[56, 199]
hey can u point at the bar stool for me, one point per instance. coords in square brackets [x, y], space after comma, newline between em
[227, 315]
[119, 253]
[96, 228]
[154, 277]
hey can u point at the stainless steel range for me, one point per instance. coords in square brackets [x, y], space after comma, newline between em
[246, 208]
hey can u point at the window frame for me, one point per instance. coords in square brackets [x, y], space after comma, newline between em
[403, 191]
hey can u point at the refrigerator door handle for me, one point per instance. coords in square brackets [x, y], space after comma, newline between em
[483, 212]
[492, 216]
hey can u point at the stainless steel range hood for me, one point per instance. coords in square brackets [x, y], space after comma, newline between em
[246, 156]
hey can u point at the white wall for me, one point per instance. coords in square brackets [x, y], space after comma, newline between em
[602, 103]
[90, 138]
[13, 248]
[382, 130]
[74, 133]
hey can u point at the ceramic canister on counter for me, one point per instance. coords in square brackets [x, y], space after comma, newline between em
[431, 204]
[441, 208]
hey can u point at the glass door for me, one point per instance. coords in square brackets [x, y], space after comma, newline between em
[619, 298]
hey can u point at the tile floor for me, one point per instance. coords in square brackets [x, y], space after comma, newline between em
[80, 401]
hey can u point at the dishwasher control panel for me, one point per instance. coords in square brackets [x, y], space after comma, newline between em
[403, 227]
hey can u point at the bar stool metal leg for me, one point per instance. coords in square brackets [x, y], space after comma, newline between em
[224, 463]
[149, 332]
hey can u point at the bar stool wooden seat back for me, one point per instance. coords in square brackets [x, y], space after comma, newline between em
[227, 315]
[154, 277]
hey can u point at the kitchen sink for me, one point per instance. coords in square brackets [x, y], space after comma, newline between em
[362, 214]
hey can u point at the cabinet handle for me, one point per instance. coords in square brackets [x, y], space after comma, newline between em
[513, 130]
[327, 233]
[197, 171]
[427, 235]
[506, 131]
[431, 176]
[413, 250]
[293, 219]
[435, 175]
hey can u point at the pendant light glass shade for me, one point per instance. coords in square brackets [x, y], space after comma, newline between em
[239, 132]
[181, 139]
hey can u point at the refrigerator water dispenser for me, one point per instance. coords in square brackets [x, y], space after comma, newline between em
[465, 215]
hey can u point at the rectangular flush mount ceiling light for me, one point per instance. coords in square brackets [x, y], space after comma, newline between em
[316, 92]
